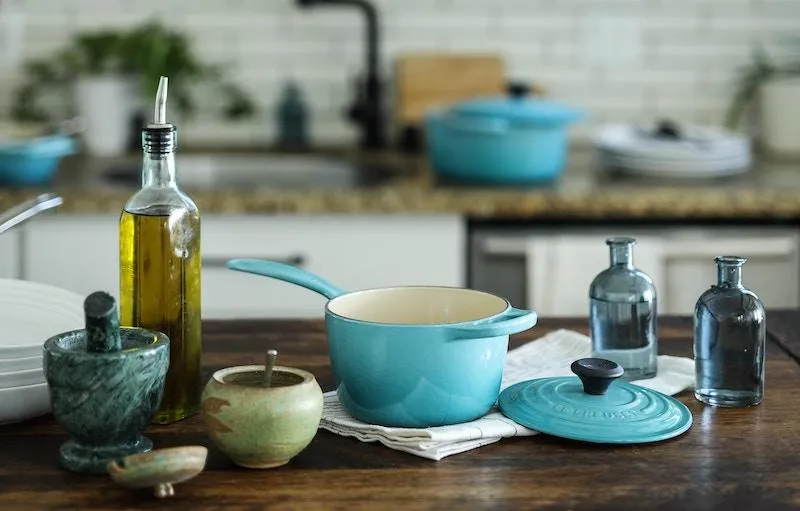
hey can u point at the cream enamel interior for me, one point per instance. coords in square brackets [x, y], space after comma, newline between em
[417, 305]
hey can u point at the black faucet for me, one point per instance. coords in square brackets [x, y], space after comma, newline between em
[367, 108]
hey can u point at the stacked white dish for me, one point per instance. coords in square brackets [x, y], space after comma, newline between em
[30, 313]
[667, 150]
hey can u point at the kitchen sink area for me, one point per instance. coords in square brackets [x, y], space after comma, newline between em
[280, 171]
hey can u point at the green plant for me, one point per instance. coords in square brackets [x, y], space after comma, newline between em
[147, 52]
[762, 69]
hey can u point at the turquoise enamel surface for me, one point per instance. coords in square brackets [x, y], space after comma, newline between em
[626, 414]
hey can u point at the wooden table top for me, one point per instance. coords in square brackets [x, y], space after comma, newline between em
[731, 458]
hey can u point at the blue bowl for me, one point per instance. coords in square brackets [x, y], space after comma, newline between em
[33, 161]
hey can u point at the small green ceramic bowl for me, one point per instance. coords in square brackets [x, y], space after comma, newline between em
[257, 426]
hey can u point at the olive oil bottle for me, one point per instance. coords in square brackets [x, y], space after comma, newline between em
[160, 265]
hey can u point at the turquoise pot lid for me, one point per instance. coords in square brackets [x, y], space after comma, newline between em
[519, 110]
[593, 407]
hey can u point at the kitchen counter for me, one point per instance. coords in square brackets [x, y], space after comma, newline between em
[769, 192]
[731, 459]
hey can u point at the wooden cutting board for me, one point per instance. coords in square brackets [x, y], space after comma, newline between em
[425, 80]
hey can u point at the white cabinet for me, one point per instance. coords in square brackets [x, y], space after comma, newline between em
[10, 253]
[352, 252]
[559, 267]
[772, 269]
[80, 253]
[76, 252]
[10, 260]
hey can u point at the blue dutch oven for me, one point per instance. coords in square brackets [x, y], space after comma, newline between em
[505, 140]
[411, 356]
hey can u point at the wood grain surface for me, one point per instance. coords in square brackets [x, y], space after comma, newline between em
[731, 459]
[783, 327]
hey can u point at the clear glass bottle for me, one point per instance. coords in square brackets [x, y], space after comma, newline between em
[160, 266]
[623, 314]
[729, 340]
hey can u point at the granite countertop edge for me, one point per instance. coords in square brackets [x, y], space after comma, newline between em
[479, 204]
[770, 193]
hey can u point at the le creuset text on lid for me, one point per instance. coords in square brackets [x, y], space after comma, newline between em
[592, 407]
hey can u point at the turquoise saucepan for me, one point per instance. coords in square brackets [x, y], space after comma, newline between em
[412, 356]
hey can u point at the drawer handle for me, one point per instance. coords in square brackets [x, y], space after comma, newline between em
[219, 262]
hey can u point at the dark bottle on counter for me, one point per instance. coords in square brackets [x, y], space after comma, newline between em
[729, 340]
[623, 313]
[292, 118]
[160, 265]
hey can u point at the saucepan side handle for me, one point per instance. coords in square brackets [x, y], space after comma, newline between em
[510, 322]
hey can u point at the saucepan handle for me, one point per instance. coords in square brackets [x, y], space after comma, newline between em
[286, 273]
[511, 321]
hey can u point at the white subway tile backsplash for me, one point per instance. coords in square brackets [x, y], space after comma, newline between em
[755, 25]
[679, 57]
[534, 27]
[777, 8]
[715, 10]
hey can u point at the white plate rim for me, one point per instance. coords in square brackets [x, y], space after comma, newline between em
[26, 375]
[618, 138]
[21, 363]
[41, 296]
[19, 404]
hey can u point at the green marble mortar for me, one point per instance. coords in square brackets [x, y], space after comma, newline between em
[105, 384]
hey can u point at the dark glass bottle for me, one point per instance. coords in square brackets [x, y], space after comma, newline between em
[623, 313]
[729, 338]
[292, 117]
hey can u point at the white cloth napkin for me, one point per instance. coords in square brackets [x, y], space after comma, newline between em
[548, 356]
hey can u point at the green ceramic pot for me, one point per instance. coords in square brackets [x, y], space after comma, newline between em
[257, 426]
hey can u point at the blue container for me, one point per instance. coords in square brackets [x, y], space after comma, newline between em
[33, 162]
[413, 356]
[500, 140]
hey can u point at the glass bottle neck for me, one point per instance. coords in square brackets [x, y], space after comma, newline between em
[158, 170]
[622, 255]
[729, 275]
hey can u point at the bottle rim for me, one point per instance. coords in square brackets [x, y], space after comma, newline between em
[730, 260]
[620, 240]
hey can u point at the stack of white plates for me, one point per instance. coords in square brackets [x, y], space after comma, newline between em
[30, 313]
[690, 151]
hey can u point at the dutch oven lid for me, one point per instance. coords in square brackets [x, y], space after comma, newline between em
[592, 407]
[518, 108]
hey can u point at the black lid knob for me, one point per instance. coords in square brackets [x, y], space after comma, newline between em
[667, 128]
[596, 374]
[518, 89]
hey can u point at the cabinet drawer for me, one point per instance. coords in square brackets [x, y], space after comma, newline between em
[80, 253]
[556, 268]
[352, 252]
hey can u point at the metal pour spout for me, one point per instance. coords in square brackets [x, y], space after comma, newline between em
[160, 114]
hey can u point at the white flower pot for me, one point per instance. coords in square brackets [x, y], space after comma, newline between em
[105, 104]
[780, 116]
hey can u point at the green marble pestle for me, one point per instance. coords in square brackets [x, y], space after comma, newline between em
[105, 384]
